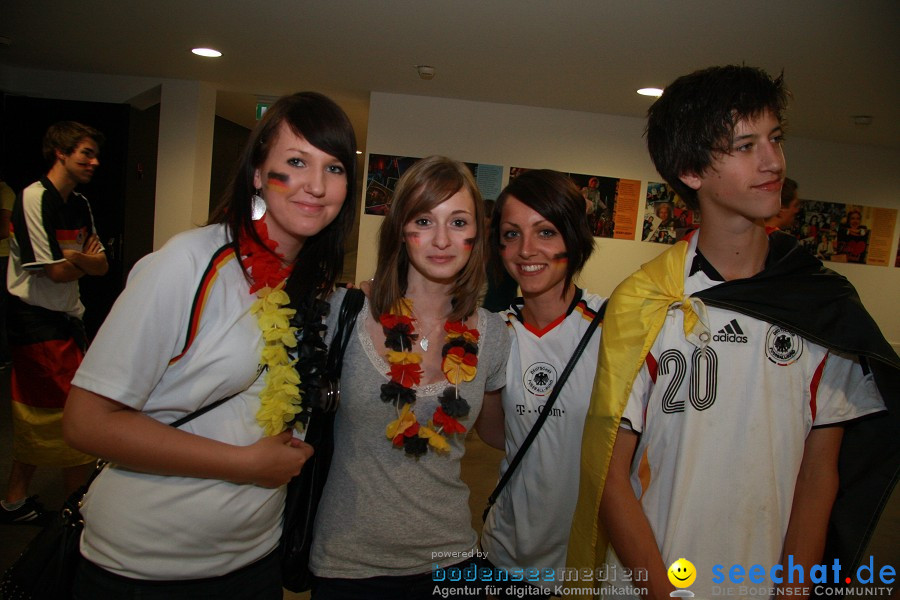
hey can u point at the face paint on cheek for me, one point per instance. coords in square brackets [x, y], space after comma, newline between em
[469, 243]
[277, 181]
[412, 237]
[562, 257]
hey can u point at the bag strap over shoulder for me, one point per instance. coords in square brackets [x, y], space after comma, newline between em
[205, 409]
[353, 302]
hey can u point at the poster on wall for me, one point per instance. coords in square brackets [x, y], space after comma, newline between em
[385, 170]
[667, 218]
[897, 260]
[611, 204]
[849, 233]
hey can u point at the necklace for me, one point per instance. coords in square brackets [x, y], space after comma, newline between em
[459, 363]
[280, 399]
[423, 338]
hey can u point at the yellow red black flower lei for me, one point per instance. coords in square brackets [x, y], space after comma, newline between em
[284, 337]
[459, 363]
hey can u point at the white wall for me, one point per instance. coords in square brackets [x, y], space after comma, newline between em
[184, 158]
[521, 136]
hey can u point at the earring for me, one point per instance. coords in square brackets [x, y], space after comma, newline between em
[257, 206]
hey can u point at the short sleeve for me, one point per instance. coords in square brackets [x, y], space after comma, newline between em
[495, 352]
[637, 400]
[845, 391]
[39, 237]
[145, 329]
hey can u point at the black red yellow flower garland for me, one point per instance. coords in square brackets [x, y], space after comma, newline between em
[281, 398]
[459, 363]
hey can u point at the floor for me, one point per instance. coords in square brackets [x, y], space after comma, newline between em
[479, 470]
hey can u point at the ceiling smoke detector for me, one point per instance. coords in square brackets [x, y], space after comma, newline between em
[425, 71]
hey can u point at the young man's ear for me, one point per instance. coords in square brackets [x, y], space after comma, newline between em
[692, 180]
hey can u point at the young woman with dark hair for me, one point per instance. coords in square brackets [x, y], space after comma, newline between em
[195, 511]
[541, 237]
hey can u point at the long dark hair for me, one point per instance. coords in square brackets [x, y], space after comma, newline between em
[326, 126]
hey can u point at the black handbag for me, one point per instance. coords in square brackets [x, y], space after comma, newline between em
[46, 568]
[305, 490]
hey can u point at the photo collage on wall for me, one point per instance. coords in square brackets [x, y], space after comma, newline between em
[610, 203]
[385, 171]
[836, 232]
[848, 233]
[667, 218]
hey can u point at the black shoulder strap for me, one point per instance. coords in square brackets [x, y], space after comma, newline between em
[205, 409]
[350, 307]
[545, 412]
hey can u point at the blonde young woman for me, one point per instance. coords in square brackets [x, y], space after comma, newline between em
[414, 375]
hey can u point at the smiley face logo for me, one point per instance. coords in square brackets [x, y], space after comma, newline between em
[682, 573]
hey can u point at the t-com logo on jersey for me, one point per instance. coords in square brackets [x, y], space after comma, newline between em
[539, 378]
[732, 332]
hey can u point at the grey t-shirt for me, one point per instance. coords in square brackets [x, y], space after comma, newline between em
[383, 512]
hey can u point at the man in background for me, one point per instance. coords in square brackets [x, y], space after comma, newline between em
[790, 206]
[53, 244]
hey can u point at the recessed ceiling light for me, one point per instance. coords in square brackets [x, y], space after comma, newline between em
[425, 71]
[207, 52]
[655, 92]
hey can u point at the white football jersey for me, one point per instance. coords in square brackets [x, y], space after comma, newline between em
[529, 524]
[722, 433]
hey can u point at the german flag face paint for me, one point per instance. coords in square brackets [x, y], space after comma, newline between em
[277, 181]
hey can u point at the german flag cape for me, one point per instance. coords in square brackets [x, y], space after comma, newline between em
[794, 291]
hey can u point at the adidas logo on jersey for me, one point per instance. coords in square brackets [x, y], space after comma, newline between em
[732, 332]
